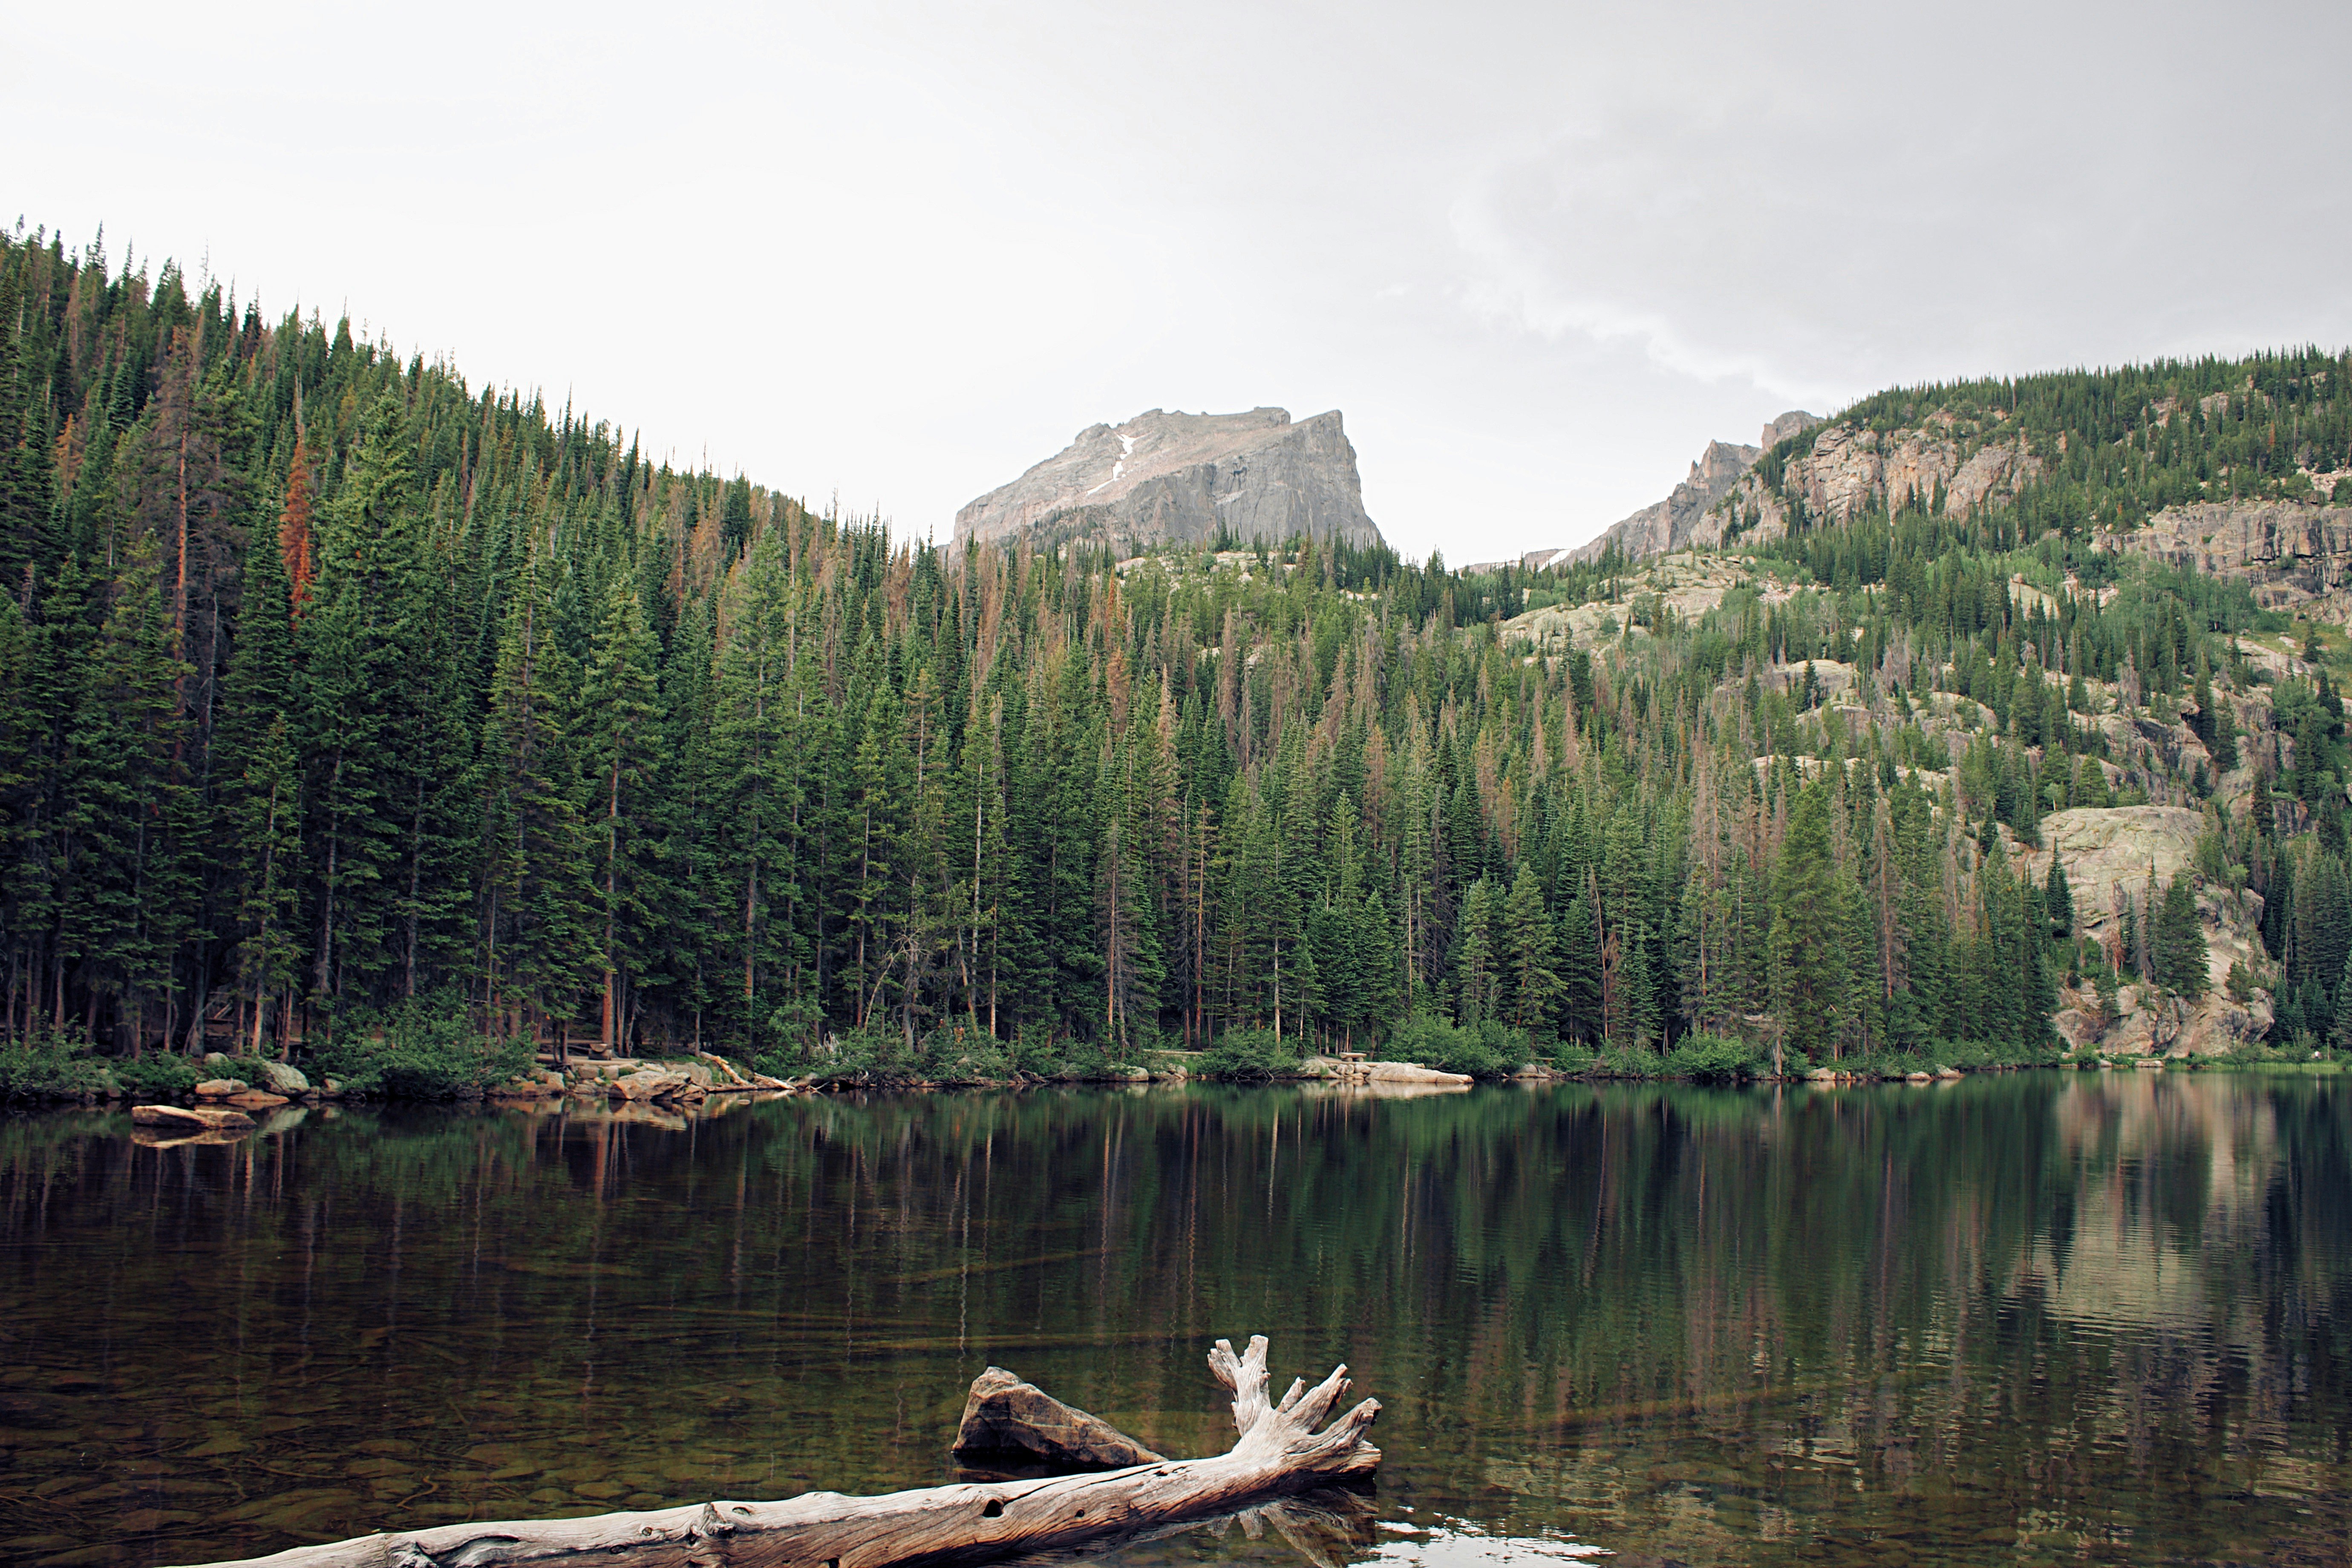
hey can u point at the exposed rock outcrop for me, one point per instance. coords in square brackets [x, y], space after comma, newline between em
[2118, 856]
[1670, 525]
[1848, 469]
[1181, 478]
[1666, 525]
[1687, 583]
[2296, 556]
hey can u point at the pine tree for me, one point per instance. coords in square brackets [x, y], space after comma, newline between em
[28, 544]
[622, 742]
[1535, 984]
[537, 896]
[260, 802]
[354, 656]
[1479, 977]
[268, 820]
[2339, 1027]
[132, 813]
[2178, 940]
[1578, 959]
[2058, 901]
[756, 789]
[1809, 963]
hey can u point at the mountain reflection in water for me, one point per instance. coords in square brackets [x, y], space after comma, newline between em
[2037, 1317]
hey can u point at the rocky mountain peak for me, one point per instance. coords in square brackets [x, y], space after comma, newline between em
[1165, 478]
[1674, 523]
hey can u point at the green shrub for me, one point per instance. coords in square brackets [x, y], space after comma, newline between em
[869, 1055]
[1250, 1053]
[49, 1071]
[1715, 1056]
[425, 1048]
[1627, 1061]
[1081, 1057]
[1485, 1049]
[2301, 1047]
[1885, 1064]
[1967, 1054]
[1570, 1056]
[157, 1077]
[962, 1055]
[1035, 1051]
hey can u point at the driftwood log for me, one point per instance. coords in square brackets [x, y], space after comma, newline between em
[1280, 1451]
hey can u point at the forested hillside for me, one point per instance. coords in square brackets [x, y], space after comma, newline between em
[329, 684]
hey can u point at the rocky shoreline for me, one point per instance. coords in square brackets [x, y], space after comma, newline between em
[226, 1108]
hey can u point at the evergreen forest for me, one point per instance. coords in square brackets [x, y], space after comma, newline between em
[331, 687]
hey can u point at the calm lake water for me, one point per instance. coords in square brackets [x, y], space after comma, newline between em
[2033, 1318]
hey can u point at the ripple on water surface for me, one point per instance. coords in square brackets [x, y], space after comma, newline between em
[2030, 1318]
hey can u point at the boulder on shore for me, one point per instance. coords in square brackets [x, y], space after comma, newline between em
[649, 1083]
[221, 1087]
[284, 1077]
[1410, 1072]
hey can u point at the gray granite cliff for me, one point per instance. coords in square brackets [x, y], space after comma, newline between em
[1174, 478]
[1676, 521]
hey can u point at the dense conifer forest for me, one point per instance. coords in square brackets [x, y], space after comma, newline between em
[332, 687]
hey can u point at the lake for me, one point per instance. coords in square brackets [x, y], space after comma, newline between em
[2035, 1317]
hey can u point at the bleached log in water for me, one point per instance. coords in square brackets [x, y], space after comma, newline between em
[1280, 1451]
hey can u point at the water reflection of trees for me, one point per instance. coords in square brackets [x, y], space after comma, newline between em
[2059, 1286]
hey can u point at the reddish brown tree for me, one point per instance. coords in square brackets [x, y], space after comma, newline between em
[294, 535]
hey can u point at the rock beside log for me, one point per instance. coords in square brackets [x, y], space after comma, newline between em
[649, 1083]
[1003, 1415]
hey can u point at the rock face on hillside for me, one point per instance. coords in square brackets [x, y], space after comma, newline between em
[1849, 469]
[1180, 479]
[2296, 556]
[1666, 525]
[2118, 856]
[1670, 525]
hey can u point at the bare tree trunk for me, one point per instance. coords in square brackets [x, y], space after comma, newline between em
[1279, 1452]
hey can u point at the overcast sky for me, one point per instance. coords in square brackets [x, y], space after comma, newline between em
[1537, 254]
